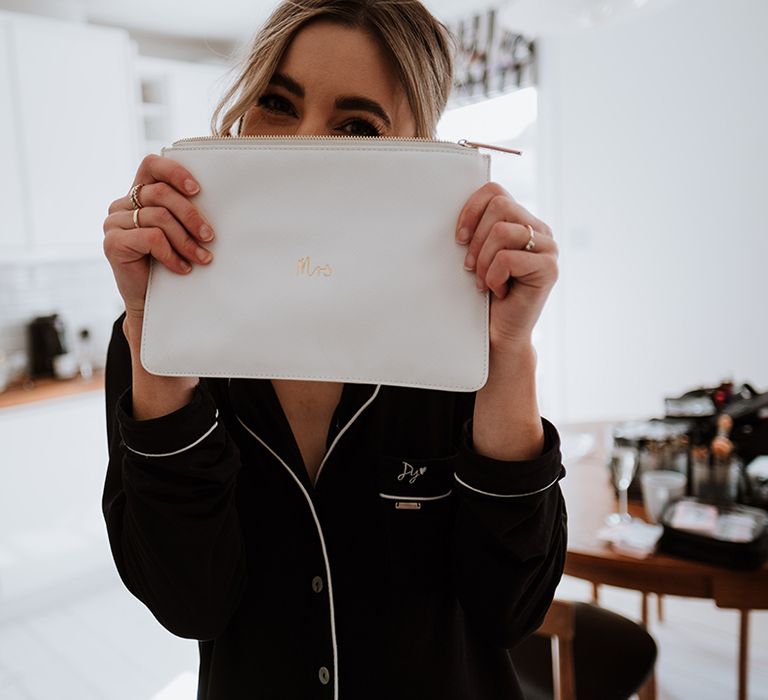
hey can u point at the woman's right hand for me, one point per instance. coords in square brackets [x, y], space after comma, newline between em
[171, 230]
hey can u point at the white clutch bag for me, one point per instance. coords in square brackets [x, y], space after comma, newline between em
[334, 260]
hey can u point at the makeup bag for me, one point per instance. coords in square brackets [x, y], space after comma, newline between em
[335, 259]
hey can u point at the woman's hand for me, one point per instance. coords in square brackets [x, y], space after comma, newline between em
[171, 230]
[494, 227]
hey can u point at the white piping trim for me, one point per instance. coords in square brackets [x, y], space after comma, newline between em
[415, 498]
[317, 525]
[506, 495]
[325, 555]
[344, 430]
[183, 449]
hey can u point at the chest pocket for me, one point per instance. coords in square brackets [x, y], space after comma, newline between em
[417, 508]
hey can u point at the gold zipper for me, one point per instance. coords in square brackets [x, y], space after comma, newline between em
[474, 144]
[464, 143]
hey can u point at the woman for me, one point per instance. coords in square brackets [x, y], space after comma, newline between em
[247, 514]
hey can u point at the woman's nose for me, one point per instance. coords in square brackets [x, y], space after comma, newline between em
[313, 127]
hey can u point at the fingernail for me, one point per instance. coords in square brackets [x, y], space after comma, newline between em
[469, 261]
[191, 186]
[480, 286]
[463, 234]
[185, 266]
[203, 255]
[206, 232]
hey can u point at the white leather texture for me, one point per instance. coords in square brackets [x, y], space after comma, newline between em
[334, 260]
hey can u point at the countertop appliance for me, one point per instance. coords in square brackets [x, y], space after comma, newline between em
[46, 341]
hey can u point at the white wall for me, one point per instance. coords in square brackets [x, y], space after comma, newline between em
[653, 145]
[82, 292]
[511, 120]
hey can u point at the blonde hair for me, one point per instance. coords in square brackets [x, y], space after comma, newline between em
[420, 47]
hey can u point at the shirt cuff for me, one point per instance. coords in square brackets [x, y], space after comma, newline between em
[171, 434]
[482, 475]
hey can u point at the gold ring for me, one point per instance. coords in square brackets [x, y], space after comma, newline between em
[136, 218]
[135, 196]
[531, 241]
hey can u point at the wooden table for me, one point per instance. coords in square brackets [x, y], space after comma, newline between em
[590, 497]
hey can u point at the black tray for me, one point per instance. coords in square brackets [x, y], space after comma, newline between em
[688, 544]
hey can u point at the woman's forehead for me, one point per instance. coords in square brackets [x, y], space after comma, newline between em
[326, 56]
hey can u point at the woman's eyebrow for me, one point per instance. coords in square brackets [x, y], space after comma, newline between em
[346, 102]
[363, 103]
[288, 83]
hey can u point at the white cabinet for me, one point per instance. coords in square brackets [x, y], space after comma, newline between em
[73, 92]
[12, 229]
[177, 99]
[79, 109]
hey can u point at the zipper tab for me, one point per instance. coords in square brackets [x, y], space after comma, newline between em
[473, 144]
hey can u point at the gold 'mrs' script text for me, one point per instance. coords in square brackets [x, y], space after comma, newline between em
[304, 268]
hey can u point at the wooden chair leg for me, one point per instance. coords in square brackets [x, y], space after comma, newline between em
[659, 608]
[559, 624]
[565, 682]
[648, 689]
[595, 593]
[644, 609]
[743, 654]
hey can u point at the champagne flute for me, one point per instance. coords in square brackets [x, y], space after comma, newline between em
[623, 463]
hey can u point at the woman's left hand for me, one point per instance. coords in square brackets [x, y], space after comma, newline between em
[495, 228]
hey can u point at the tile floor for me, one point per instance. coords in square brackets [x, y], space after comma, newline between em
[95, 641]
[104, 645]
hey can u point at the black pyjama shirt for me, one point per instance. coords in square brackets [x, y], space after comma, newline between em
[407, 570]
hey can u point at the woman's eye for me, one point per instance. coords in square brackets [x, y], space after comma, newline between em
[360, 127]
[275, 103]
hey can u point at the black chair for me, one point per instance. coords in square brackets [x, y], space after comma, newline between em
[599, 655]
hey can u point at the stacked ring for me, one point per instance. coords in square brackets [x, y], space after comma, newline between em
[135, 196]
[136, 218]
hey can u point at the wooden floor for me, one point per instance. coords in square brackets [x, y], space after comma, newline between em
[105, 645]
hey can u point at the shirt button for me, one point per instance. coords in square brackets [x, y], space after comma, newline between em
[317, 584]
[324, 675]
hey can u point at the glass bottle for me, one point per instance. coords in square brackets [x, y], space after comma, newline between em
[701, 483]
[724, 465]
[84, 353]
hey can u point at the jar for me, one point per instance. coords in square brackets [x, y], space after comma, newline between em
[725, 474]
[661, 444]
[702, 482]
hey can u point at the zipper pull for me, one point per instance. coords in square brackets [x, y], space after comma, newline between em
[473, 144]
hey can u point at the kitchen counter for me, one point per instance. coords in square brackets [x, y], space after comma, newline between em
[29, 391]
